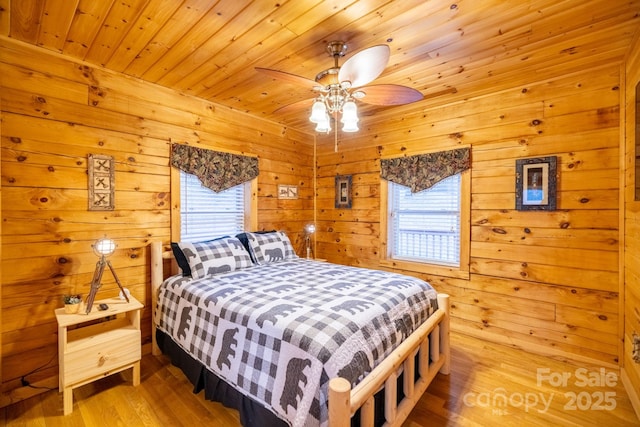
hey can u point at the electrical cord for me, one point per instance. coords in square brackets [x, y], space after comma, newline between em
[26, 383]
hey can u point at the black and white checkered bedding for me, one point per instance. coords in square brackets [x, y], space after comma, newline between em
[279, 332]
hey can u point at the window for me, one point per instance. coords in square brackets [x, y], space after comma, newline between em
[205, 214]
[427, 231]
[425, 226]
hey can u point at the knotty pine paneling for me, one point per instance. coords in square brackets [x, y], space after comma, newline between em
[54, 113]
[631, 304]
[546, 282]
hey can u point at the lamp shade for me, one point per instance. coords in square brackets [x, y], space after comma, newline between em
[104, 247]
[310, 228]
[350, 117]
[349, 112]
[324, 125]
[318, 112]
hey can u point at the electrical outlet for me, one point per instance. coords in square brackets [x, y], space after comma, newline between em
[635, 348]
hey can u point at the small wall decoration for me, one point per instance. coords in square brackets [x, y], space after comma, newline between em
[343, 191]
[536, 184]
[101, 183]
[287, 191]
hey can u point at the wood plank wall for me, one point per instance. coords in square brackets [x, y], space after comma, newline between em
[54, 113]
[545, 282]
[631, 369]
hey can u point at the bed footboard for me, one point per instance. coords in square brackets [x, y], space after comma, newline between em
[430, 343]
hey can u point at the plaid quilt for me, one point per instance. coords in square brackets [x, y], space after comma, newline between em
[279, 332]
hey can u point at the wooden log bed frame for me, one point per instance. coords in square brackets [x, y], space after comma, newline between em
[429, 344]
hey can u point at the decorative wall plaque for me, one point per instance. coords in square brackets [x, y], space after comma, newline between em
[101, 183]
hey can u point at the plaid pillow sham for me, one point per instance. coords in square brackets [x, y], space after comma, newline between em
[266, 248]
[214, 257]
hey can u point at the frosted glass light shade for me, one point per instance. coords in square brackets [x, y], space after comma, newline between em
[318, 112]
[324, 125]
[349, 112]
[350, 117]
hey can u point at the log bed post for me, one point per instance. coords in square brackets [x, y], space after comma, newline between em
[157, 277]
[445, 348]
[340, 398]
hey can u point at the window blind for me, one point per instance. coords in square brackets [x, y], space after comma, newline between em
[205, 215]
[425, 226]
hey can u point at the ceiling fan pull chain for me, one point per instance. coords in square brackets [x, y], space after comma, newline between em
[335, 147]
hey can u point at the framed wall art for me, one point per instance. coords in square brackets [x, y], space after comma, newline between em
[343, 191]
[287, 191]
[536, 181]
[101, 182]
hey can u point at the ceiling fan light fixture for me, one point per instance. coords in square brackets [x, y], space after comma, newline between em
[341, 85]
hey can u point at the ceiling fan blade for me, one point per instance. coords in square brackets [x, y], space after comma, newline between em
[288, 77]
[389, 95]
[305, 103]
[365, 66]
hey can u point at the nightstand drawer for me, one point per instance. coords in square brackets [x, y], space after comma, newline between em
[101, 355]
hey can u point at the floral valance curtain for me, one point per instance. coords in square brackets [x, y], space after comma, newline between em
[216, 170]
[422, 171]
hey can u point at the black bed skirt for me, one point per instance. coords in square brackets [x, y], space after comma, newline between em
[252, 414]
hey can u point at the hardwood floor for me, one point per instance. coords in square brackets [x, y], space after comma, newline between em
[489, 385]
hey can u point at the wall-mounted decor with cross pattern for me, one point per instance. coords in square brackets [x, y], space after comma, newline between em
[101, 183]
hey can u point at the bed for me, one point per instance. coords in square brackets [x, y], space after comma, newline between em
[291, 341]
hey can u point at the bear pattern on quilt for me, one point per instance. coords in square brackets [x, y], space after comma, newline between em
[283, 331]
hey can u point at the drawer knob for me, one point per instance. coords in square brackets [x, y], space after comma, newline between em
[103, 359]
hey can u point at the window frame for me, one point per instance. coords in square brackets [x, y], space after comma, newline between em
[250, 208]
[461, 271]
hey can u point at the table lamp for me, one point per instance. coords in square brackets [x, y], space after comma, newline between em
[103, 248]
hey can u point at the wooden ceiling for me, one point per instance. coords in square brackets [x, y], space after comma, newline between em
[448, 50]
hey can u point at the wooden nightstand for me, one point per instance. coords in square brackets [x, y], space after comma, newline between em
[95, 345]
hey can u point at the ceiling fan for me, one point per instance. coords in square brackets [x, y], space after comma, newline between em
[339, 86]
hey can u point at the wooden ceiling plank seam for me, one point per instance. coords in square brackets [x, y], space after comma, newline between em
[5, 17]
[25, 20]
[56, 21]
[499, 40]
[273, 28]
[88, 18]
[191, 41]
[117, 24]
[470, 29]
[491, 60]
[191, 11]
[229, 40]
[150, 20]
